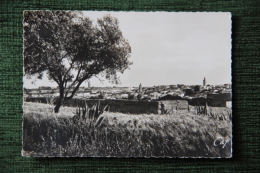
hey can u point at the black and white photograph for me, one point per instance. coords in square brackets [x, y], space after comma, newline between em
[127, 84]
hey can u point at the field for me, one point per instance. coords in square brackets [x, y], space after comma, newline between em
[121, 135]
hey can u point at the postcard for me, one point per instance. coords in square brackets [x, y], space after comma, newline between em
[127, 84]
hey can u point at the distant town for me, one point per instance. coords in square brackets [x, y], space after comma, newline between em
[213, 95]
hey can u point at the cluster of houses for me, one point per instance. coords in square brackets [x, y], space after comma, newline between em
[216, 95]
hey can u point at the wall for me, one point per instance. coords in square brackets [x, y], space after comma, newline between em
[198, 101]
[219, 100]
[127, 106]
[209, 109]
[171, 105]
[123, 106]
[35, 99]
[134, 106]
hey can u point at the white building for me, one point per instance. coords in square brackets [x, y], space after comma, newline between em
[229, 104]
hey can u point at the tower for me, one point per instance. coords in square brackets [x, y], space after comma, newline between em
[140, 88]
[89, 84]
[204, 82]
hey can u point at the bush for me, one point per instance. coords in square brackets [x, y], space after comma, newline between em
[84, 114]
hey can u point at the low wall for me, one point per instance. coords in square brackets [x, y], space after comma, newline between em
[172, 105]
[134, 106]
[123, 106]
[210, 109]
[35, 99]
[198, 101]
[127, 106]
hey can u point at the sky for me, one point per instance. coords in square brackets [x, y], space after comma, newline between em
[170, 48]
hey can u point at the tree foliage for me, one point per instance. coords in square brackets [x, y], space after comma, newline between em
[70, 49]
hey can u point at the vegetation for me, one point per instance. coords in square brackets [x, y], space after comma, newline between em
[91, 116]
[122, 135]
[70, 49]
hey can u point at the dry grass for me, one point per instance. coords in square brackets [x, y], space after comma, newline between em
[46, 109]
[122, 135]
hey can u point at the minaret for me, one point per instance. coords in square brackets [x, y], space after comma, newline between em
[89, 84]
[204, 82]
[140, 88]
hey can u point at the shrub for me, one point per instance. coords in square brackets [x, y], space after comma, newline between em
[84, 114]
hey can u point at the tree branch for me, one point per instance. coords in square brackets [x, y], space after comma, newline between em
[71, 65]
[80, 68]
[63, 57]
[53, 77]
[99, 79]
[56, 80]
[74, 82]
[77, 87]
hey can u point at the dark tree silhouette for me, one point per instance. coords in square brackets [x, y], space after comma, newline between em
[69, 49]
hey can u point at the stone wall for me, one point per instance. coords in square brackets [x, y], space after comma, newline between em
[172, 105]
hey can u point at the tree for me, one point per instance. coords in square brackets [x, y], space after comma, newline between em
[70, 50]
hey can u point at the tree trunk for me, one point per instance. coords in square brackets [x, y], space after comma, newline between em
[57, 107]
[60, 99]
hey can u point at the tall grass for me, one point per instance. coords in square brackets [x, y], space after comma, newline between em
[122, 135]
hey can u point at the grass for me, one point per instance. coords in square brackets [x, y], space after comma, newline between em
[122, 135]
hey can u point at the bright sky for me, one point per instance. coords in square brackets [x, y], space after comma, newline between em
[170, 48]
